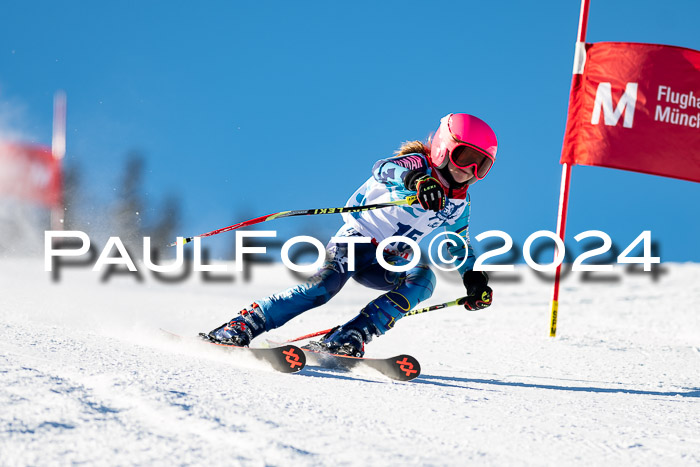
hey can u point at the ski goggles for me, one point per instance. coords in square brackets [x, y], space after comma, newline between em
[466, 156]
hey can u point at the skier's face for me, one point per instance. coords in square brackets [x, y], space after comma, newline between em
[462, 175]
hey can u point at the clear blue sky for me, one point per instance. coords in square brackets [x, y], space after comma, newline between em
[248, 108]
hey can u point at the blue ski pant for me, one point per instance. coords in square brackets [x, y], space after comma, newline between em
[404, 290]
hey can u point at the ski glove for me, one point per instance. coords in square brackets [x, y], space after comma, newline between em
[479, 295]
[431, 195]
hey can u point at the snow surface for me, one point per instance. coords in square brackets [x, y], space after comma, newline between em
[85, 376]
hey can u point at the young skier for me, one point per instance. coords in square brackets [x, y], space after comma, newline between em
[461, 152]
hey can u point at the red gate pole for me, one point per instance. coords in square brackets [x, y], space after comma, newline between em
[579, 62]
[58, 150]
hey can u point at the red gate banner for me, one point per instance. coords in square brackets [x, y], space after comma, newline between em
[30, 172]
[637, 107]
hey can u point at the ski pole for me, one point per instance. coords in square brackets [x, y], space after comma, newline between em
[459, 301]
[308, 336]
[302, 212]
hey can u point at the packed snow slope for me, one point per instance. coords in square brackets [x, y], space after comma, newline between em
[86, 377]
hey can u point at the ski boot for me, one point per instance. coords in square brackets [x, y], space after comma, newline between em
[249, 324]
[348, 339]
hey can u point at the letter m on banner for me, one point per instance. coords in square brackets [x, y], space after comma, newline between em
[604, 102]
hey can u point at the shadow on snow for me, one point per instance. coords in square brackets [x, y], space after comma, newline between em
[450, 381]
[446, 380]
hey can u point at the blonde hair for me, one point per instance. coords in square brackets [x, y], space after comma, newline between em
[411, 147]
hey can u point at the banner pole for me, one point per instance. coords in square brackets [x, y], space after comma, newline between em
[58, 150]
[579, 62]
[561, 230]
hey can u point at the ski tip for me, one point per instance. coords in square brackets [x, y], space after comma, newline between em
[293, 359]
[407, 367]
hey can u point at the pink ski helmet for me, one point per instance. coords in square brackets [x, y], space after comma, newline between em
[465, 131]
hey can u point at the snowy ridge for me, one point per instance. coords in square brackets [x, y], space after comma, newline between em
[86, 377]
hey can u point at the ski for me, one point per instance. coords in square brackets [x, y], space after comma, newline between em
[284, 358]
[401, 367]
